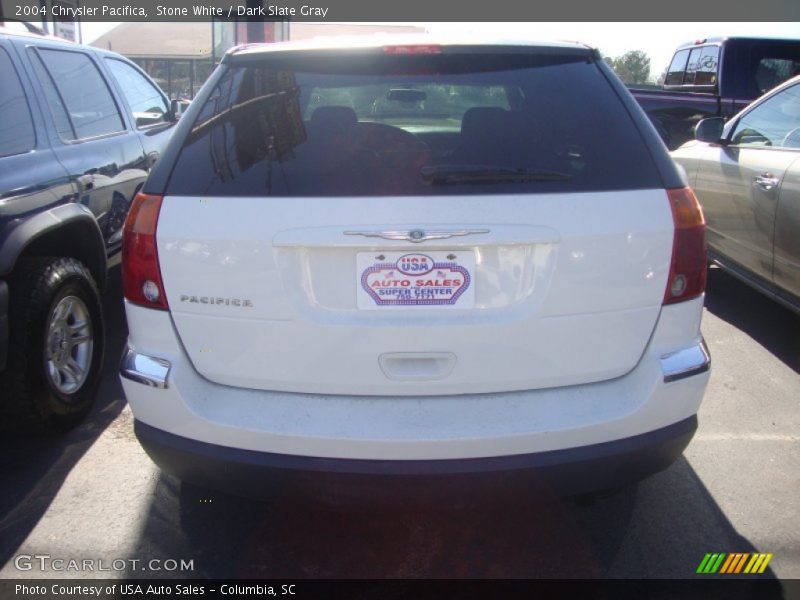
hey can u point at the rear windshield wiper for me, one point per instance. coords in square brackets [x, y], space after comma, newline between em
[442, 174]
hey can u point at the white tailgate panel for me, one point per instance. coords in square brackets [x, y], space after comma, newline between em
[567, 290]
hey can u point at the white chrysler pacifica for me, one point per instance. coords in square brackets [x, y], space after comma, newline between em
[414, 260]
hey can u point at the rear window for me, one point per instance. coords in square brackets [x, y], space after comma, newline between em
[773, 66]
[677, 68]
[696, 66]
[691, 66]
[707, 66]
[380, 125]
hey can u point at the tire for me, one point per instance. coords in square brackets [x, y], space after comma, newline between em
[56, 345]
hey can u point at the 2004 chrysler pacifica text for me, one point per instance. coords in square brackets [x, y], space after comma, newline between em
[456, 261]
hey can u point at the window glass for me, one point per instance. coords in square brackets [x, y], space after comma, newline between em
[772, 123]
[422, 102]
[677, 68]
[412, 125]
[80, 85]
[146, 102]
[16, 127]
[53, 99]
[707, 65]
[691, 66]
[771, 72]
[772, 65]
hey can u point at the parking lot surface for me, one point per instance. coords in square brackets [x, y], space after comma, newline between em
[94, 494]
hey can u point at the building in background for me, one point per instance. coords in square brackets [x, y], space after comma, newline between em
[181, 56]
[178, 56]
[64, 28]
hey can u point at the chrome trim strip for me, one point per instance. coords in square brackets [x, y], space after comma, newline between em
[685, 363]
[144, 369]
[417, 235]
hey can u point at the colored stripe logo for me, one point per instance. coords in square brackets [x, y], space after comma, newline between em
[735, 563]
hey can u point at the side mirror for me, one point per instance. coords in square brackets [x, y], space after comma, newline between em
[710, 130]
[175, 109]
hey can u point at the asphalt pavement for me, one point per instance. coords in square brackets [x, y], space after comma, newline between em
[94, 494]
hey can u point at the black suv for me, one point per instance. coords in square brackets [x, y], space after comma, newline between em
[79, 130]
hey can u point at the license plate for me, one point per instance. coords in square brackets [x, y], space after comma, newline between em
[407, 280]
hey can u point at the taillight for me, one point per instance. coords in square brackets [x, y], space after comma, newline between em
[141, 275]
[687, 270]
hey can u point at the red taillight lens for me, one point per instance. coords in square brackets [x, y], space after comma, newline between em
[687, 271]
[141, 275]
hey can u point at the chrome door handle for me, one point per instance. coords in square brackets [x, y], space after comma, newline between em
[766, 181]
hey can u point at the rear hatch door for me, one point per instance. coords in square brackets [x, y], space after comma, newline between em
[447, 223]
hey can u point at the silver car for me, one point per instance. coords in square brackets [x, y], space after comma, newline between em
[746, 174]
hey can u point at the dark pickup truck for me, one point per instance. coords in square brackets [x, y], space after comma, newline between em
[715, 77]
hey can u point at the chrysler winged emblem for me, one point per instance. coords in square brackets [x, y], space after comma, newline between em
[417, 235]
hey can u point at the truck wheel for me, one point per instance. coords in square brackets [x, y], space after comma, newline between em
[57, 340]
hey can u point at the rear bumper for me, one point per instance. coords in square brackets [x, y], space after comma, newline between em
[572, 438]
[567, 471]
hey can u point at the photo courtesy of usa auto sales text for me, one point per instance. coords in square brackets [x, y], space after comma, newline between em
[130, 589]
[124, 589]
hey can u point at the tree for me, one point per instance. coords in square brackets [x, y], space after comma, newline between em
[633, 67]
